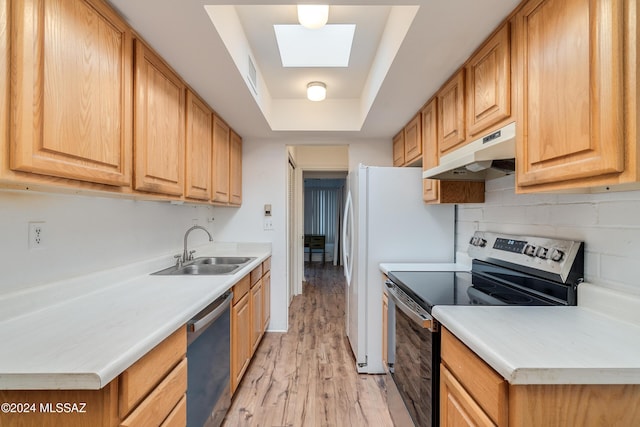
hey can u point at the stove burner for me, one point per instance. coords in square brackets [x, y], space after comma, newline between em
[511, 298]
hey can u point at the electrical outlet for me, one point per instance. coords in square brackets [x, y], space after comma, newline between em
[36, 235]
[268, 224]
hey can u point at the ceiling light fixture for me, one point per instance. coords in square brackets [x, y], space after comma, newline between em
[313, 16]
[316, 91]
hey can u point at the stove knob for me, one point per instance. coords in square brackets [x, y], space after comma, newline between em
[557, 255]
[542, 252]
[478, 241]
[529, 250]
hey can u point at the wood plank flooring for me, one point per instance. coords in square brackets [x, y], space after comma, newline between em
[307, 376]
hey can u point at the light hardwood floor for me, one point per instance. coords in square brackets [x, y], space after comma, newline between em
[307, 376]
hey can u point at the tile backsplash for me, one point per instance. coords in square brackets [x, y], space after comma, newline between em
[608, 223]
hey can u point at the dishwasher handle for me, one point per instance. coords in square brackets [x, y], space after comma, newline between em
[209, 314]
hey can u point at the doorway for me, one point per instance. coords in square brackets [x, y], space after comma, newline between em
[324, 194]
[317, 163]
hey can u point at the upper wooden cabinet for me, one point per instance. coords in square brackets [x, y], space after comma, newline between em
[199, 148]
[159, 125]
[398, 149]
[429, 116]
[235, 169]
[71, 91]
[451, 114]
[436, 191]
[413, 139]
[407, 144]
[221, 134]
[572, 107]
[488, 74]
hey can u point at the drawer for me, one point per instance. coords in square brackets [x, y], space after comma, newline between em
[241, 288]
[266, 265]
[138, 381]
[485, 385]
[163, 399]
[177, 417]
[256, 274]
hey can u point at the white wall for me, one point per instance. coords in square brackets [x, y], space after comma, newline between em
[83, 234]
[264, 180]
[328, 158]
[608, 223]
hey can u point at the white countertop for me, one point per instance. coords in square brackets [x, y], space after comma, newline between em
[425, 266]
[597, 342]
[551, 345]
[82, 333]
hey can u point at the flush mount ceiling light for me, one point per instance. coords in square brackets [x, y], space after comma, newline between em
[316, 91]
[313, 16]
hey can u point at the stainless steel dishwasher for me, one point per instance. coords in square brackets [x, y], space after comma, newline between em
[208, 353]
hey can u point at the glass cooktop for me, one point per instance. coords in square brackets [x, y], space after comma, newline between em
[429, 288]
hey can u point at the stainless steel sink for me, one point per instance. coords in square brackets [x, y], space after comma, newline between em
[207, 266]
[222, 260]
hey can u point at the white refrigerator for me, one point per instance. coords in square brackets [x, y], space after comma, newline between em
[385, 220]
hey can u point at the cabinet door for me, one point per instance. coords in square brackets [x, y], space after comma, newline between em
[159, 125]
[398, 149]
[570, 111]
[4, 77]
[451, 114]
[235, 169]
[71, 91]
[257, 322]
[220, 160]
[489, 83]
[430, 187]
[199, 148]
[240, 340]
[413, 139]
[457, 407]
[266, 299]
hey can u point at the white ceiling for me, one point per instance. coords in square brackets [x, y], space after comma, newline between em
[440, 37]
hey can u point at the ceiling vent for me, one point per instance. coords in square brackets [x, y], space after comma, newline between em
[253, 77]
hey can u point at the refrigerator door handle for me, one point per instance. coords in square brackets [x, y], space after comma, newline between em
[347, 239]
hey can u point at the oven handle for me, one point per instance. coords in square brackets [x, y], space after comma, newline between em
[424, 320]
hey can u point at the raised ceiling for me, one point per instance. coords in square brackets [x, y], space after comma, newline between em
[372, 98]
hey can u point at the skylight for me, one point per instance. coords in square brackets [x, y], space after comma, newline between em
[329, 46]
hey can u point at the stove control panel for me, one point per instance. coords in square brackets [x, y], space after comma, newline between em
[553, 256]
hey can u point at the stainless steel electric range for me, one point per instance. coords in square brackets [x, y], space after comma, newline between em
[506, 270]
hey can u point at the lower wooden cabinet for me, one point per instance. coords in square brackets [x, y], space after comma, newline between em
[266, 299]
[457, 407]
[472, 393]
[257, 324]
[240, 331]
[250, 313]
[152, 392]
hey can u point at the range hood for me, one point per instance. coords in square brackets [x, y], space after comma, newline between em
[485, 158]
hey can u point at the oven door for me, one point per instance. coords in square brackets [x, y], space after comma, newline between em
[415, 369]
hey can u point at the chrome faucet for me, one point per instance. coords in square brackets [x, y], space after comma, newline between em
[188, 255]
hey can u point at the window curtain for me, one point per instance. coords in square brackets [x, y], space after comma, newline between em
[323, 204]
